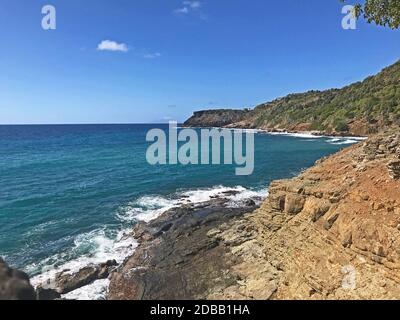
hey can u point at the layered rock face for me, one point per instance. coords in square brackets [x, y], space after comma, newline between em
[14, 284]
[333, 232]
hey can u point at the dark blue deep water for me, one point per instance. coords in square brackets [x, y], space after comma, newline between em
[68, 192]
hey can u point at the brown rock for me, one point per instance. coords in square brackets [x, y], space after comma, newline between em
[294, 203]
[331, 220]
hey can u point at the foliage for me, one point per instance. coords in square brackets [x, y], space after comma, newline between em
[374, 100]
[381, 12]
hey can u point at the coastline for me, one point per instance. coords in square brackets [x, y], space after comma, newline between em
[267, 248]
[124, 246]
[280, 250]
[87, 278]
[90, 279]
[286, 132]
[329, 233]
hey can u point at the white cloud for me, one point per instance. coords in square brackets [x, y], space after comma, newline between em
[183, 10]
[188, 6]
[108, 45]
[192, 4]
[152, 55]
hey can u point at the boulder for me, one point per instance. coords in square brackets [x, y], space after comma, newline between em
[250, 203]
[319, 210]
[14, 284]
[66, 282]
[294, 203]
[47, 294]
[277, 201]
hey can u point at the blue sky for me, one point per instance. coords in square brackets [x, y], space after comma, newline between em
[177, 56]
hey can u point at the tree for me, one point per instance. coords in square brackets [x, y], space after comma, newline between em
[342, 127]
[382, 12]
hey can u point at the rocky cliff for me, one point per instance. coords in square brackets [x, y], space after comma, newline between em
[333, 232]
[362, 108]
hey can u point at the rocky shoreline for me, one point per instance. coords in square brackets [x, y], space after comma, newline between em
[283, 131]
[178, 257]
[189, 216]
[330, 233]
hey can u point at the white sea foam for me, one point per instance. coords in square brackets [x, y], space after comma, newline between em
[95, 291]
[346, 140]
[239, 199]
[306, 135]
[102, 247]
[349, 141]
[310, 135]
[151, 207]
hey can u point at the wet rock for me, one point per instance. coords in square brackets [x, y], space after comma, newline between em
[69, 282]
[14, 284]
[66, 282]
[250, 203]
[47, 294]
[230, 193]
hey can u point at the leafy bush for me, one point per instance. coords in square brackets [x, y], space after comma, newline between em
[342, 127]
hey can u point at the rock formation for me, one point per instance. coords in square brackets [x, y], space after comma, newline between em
[177, 259]
[14, 284]
[333, 232]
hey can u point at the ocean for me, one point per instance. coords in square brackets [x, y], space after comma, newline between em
[69, 194]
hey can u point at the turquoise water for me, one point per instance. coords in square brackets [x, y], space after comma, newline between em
[69, 192]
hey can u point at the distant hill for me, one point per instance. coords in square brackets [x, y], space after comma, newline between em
[217, 118]
[361, 108]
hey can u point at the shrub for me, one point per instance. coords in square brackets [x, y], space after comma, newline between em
[342, 127]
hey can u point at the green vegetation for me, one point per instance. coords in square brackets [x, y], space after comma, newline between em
[374, 102]
[382, 12]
